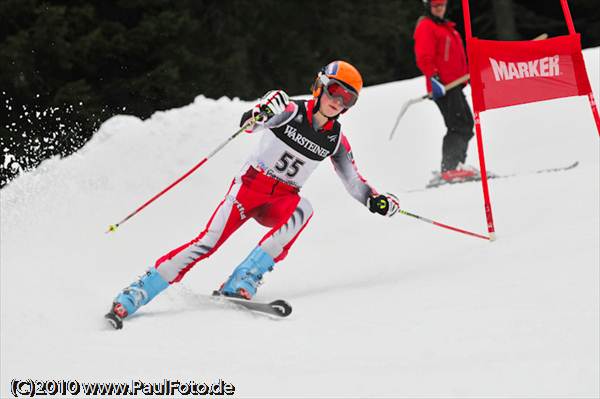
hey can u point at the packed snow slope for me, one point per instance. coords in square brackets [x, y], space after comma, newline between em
[382, 307]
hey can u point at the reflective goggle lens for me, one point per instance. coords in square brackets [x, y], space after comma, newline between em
[336, 90]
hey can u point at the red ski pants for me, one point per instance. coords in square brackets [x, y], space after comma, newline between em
[253, 195]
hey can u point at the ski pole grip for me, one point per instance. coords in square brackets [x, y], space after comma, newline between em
[262, 116]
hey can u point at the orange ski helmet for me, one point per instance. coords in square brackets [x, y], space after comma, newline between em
[340, 71]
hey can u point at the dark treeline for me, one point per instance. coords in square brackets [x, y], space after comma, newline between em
[67, 66]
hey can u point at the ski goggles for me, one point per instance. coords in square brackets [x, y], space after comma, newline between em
[336, 90]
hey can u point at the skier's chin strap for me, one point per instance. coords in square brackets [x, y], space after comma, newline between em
[325, 116]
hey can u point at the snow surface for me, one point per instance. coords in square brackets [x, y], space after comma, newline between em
[382, 307]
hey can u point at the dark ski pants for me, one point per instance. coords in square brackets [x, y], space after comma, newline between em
[459, 122]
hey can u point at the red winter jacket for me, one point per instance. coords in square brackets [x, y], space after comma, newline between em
[439, 50]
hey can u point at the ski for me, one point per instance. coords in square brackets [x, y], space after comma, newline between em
[279, 307]
[435, 183]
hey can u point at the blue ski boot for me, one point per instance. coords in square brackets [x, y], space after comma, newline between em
[137, 294]
[246, 278]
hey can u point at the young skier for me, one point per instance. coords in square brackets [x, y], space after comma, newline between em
[297, 136]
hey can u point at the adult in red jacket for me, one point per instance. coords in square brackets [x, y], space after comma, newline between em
[441, 57]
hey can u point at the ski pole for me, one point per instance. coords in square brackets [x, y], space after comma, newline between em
[415, 100]
[445, 225]
[447, 87]
[247, 125]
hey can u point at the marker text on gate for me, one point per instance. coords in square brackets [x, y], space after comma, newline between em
[541, 67]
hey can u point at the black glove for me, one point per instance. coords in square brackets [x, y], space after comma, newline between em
[384, 204]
